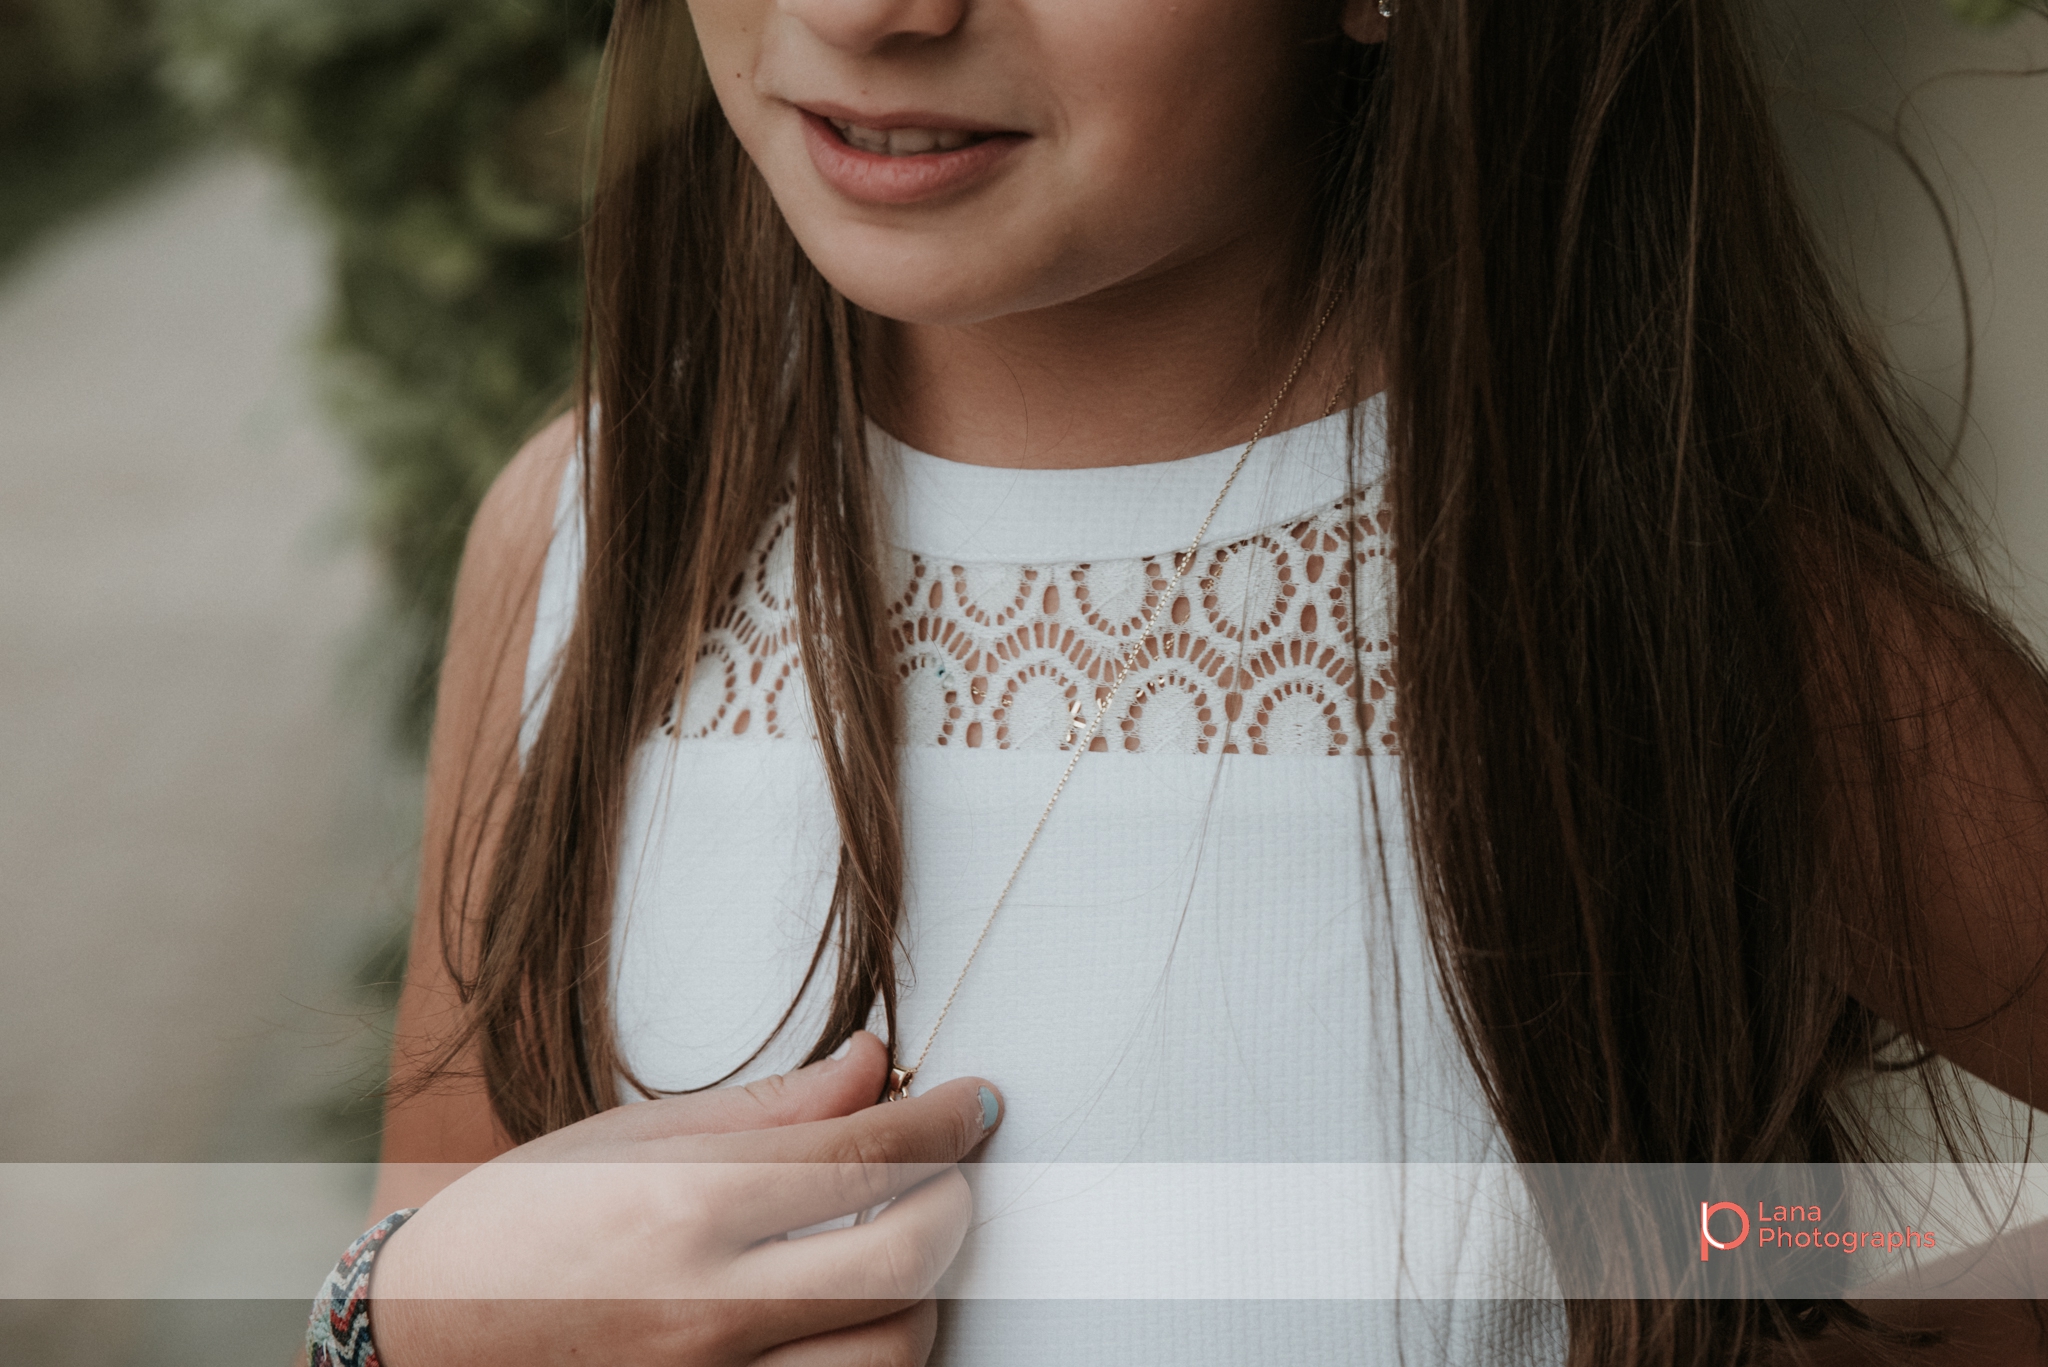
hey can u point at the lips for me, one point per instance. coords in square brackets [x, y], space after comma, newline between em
[904, 142]
[902, 159]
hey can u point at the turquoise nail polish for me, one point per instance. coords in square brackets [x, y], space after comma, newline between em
[990, 1108]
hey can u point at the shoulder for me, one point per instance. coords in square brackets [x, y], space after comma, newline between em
[1931, 720]
[1896, 639]
[497, 592]
[499, 583]
[516, 519]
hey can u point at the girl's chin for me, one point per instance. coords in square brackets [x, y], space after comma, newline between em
[888, 300]
[973, 263]
[893, 278]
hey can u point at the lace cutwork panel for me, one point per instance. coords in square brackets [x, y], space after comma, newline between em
[1254, 656]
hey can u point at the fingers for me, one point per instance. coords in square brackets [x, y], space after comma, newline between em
[834, 1281]
[903, 1339]
[899, 1255]
[821, 1091]
[803, 1175]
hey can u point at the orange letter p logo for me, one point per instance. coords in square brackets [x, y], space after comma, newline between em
[1707, 1212]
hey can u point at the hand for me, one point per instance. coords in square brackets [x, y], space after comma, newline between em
[653, 1233]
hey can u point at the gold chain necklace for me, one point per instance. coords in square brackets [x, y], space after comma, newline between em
[899, 1077]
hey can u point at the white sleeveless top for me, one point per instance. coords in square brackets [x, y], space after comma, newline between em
[1200, 963]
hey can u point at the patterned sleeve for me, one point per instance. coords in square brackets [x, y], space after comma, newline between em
[339, 1334]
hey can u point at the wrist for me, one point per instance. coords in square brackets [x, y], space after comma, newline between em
[404, 1327]
[340, 1331]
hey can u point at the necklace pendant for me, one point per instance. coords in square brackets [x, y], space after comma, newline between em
[899, 1084]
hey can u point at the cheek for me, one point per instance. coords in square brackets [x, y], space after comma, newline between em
[1195, 142]
[728, 37]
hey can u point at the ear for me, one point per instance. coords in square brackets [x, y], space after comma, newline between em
[1363, 22]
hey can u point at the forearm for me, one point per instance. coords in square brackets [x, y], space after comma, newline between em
[1990, 1310]
[1973, 1333]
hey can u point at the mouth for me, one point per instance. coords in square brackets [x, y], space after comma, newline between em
[905, 142]
[907, 158]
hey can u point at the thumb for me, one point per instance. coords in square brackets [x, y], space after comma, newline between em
[849, 1081]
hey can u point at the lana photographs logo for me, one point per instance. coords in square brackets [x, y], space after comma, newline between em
[1789, 1227]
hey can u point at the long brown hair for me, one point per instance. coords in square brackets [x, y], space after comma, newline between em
[1648, 479]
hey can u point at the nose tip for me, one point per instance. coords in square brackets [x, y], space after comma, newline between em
[865, 25]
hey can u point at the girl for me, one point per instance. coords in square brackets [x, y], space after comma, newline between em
[880, 548]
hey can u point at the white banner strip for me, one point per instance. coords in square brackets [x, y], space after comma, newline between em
[1087, 1231]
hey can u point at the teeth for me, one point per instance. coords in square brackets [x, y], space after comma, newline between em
[904, 142]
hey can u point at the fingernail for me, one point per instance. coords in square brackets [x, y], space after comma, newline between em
[990, 1109]
[845, 1048]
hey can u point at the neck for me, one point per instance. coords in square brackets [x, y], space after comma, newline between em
[1185, 361]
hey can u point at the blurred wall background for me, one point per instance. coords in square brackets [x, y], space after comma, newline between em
[282, 283]
[1862, 81]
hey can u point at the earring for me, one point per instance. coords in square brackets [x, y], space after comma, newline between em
[1386, 9]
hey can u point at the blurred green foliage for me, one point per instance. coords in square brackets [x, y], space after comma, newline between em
[443, 142]
[57, 53]
[1988, 13]
[81, 113]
